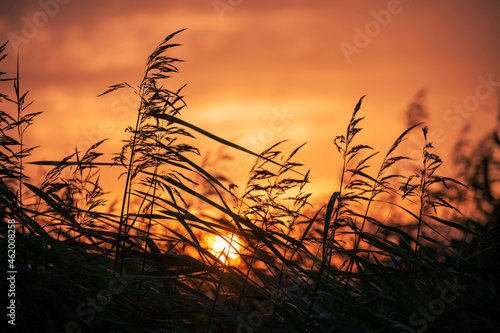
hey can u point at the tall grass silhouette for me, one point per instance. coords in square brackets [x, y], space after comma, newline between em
[147, 267]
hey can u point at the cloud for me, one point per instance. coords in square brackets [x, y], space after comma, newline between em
[260, 56]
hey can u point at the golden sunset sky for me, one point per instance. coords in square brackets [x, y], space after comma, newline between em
[260, 71]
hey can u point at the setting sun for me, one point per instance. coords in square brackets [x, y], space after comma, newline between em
[223, 245]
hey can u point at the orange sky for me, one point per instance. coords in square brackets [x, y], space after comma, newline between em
[248, 61]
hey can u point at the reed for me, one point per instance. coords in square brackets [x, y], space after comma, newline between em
[146, 267]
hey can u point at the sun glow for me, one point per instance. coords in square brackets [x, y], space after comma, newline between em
[225, 247]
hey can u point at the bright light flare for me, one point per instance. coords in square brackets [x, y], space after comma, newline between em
[223, 245]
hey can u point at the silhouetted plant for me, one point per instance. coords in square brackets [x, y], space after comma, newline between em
[339, 268]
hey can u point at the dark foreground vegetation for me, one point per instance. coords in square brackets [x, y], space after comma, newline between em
[83, 266]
